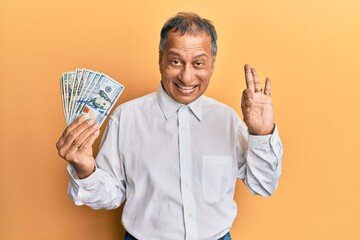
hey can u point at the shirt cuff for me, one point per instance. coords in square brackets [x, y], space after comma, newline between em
[264, 141]
[81, 190]
[85, 182]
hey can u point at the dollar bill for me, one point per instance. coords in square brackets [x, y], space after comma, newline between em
[82, 76]
[74, 90]
[101, 99]
[63, 94]
[89, 93]
[65, 81]
[93, 78]
[69, 80]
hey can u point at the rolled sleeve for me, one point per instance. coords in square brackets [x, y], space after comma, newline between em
[81, 191]
[264, 160]
[97, 191]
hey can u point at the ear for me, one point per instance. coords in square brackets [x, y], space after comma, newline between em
[160, 60]
[213, 64]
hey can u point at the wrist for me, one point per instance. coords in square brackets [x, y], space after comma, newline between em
[262, 132]
[84, 172]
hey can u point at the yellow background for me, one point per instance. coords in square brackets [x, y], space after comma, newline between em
[309, 48]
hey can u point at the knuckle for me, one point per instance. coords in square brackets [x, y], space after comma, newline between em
[78, 121]
[61, 153]
[71, 135]
[83, 146]
[68, 156]
[67, 131]
[76, 141]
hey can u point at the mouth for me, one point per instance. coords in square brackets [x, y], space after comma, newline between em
[186, 89]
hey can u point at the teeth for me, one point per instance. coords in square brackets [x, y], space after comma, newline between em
[185, 88]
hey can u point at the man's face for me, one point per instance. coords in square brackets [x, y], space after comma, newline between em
[186, 66]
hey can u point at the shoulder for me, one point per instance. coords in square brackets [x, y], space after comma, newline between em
[215, 105]
[137, 103]
[222, 112]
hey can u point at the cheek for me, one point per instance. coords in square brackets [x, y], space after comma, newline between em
[205, 76]
[168, 74]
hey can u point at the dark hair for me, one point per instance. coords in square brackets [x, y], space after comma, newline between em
[188, 23]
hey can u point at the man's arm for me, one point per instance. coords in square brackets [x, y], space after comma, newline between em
[90, 185]
[261, 168]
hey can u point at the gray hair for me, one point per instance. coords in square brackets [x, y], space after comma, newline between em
[188, 23]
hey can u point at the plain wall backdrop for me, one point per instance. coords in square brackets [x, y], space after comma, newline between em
[309, 48]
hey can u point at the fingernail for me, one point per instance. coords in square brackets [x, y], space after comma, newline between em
[91, 121]
[82, 118]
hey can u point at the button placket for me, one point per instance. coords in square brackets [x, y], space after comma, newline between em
[185, 173]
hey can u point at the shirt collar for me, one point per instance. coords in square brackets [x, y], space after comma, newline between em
[169, 106]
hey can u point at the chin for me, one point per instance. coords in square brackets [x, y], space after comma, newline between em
[185, 99]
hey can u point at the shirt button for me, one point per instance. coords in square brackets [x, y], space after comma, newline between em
[186, 184]
[185, 156]
[190, 215]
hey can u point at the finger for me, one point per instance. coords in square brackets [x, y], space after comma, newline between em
[69, 129]
[257, 83]
[89, 141]
[74, 130]
[247, 99]
[76, 138]
[82, 138]
[267, 90]
[78, 135]
[249, 77]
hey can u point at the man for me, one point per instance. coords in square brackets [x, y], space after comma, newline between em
[174, 156]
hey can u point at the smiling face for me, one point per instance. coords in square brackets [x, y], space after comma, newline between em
[186, 66]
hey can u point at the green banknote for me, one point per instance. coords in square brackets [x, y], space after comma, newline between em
[89, 93]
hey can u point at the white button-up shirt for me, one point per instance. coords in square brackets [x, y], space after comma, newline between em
[176, 166]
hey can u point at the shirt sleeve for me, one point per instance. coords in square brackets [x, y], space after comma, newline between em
[105, 188]
[260, 165]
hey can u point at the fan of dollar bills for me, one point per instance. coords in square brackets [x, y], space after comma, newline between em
[89, 93]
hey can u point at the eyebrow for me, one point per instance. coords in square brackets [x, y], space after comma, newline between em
[173, 53]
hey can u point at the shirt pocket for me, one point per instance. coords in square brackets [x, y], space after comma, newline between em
[216, 177]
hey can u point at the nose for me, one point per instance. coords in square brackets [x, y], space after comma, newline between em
[186, 75]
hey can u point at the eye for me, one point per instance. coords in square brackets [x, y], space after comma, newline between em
[176, 62]
[199, 63]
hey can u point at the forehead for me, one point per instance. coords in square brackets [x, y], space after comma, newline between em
[189, 42]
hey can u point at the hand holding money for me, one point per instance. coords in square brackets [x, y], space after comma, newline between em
[87, 97]
[75, 145]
